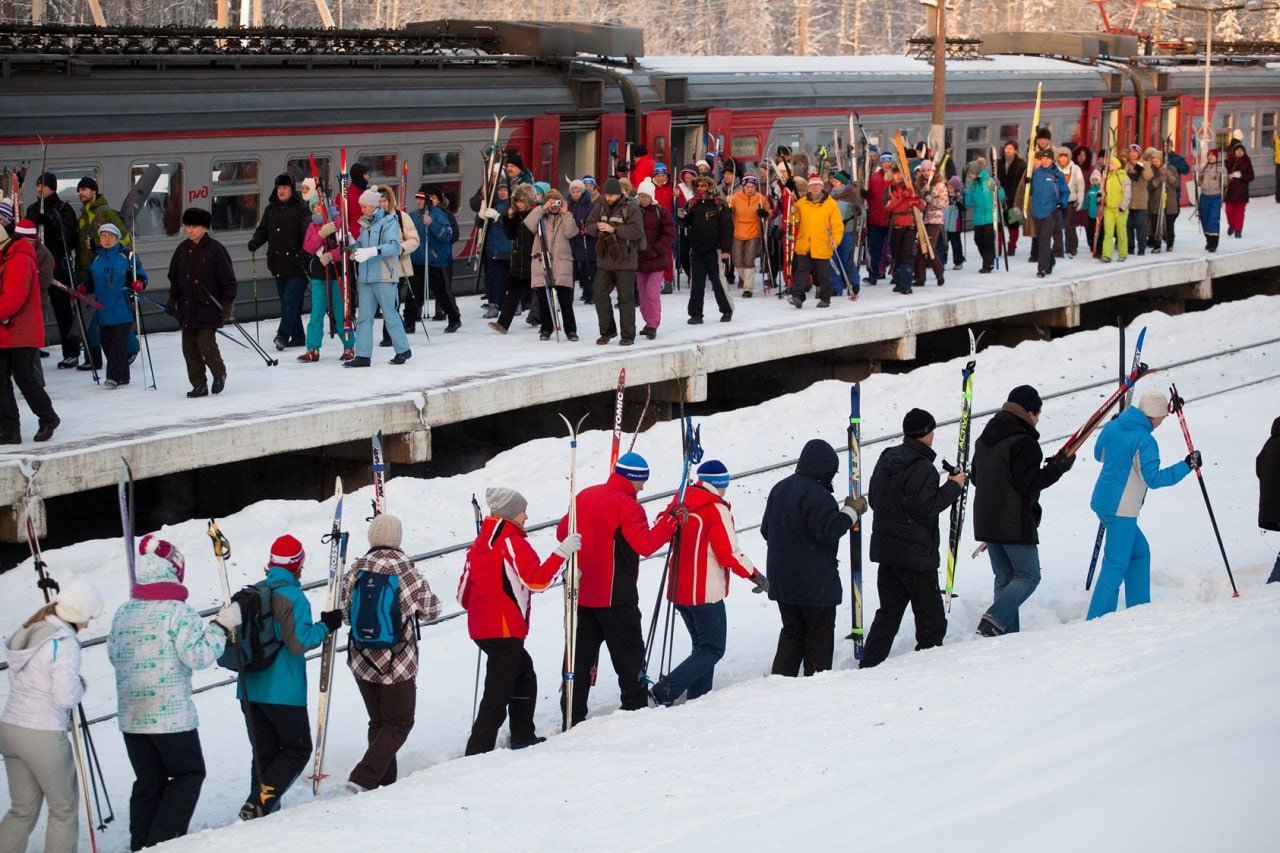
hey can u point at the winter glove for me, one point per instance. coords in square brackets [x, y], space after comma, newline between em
[489, 213]
[325, 258]
[49, 584]
[761, 582]
[82, 289]
[1062, 463]
[364, 253]
[1193, 460]
[1235, 175]
[328, 229]
[229, 617]
[854, 507]
[569, 546]
[332, 619]
[137, 285]
[679, 513]
[762, 213]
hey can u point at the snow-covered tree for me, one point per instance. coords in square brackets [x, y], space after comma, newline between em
[1228, 27]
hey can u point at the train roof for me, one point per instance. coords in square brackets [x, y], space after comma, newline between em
[861, 66]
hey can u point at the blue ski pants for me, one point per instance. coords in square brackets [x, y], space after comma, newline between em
[1126, 559]
[375, 295]
[707, 630]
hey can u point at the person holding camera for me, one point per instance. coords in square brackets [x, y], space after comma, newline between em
[551, 266]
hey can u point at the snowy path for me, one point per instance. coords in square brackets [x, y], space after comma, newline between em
[819, 739]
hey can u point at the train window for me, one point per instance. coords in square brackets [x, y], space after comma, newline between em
[971, 154]
[68, 177]
[976, 135]
[746, 147]
[793, 140]
[156, 199]
[1268, 130]
[383, 168]
[447, 162]
[659, 149]
[1071, 136]
[299, 168]
[1245, 124]
[234, 193]
[910, 136]
[948, 138]
[1010, 131]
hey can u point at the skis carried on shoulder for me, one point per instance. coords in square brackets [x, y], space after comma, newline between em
[571, 577]
[963, 447]
[1080, 436]
[337, 541]
[858, 634]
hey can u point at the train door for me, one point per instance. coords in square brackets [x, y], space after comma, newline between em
[612, 144]
[546, 138]
[578, 142]
[686, 140]
[657, 136]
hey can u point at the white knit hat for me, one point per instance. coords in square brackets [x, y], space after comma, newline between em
[646, 188]
[1154, 405]
[371, 197]
[385, 532]
[78, 602]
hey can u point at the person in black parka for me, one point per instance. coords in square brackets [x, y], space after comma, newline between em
[803, 526]
[1268, 468]
[1008, 479]
[282, 229]
[907, 500]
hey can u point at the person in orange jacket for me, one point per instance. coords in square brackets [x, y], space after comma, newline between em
[615, 535]
[750, 210]
[501, 572]
[707, 553]
[819, 229]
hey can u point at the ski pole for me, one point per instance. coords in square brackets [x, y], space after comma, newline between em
[166, 309]
[475, 696]
[257, 331]
[1176, 404]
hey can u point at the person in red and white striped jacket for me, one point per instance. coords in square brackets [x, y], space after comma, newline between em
[501, 573]
[699, 582]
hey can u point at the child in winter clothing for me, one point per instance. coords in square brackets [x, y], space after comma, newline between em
[1116, 198]
[1092, 202]
[953, 223]
[933, 190]
[501, 572]
[1209, 206]
[387, 678]
[275, 699]
[1130, 461]
[156, 640]
[111, 273]
[901, 202]
[1049, 196]
[44, 687]
[708, 551]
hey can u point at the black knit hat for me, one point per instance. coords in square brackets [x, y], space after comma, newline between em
[612, 187]
[87, 183]
[285, 180]
[48, 179]
[918, 423]
[1026, 397]
[514, 159]
[196, 216]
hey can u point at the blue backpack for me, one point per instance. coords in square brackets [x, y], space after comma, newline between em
[375, 612]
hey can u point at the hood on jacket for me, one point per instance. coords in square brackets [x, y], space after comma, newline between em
[819, 461]
[1004, 425]
[702, 494]
[896, 458]
[25, 642]
[157, 580]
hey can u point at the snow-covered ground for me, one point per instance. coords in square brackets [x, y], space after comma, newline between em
[1148, 730]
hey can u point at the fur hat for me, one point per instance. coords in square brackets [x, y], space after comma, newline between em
[197, 216]
[633, 467]
[1151, 152]
[1154, 405]
[284, 179]
[165, 550]
[514, 159]
[385, 531]
[1062, 151]
[525, 193]
[504, 502]
[78, 602]
[287, 553]
[646, 188]
[1043, 133]
[918, 423]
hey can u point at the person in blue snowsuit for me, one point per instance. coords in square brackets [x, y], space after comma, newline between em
[377, 253]
[1049, 196]
[274, 699]
[112, 275]
[1130, 466]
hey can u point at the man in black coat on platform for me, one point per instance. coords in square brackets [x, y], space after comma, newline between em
[907, 499]
[202, 294]
[1008, 479]
[57, 223]
[1268, 467]
[803, 526]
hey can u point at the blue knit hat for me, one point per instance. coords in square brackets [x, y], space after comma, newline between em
[633, 467]
[588, 179]
[660, 169]
[714, 473]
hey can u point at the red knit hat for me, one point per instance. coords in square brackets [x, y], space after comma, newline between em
[165, 550]
[287, 553]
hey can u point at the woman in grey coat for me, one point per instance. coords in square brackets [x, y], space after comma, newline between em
[553, 230]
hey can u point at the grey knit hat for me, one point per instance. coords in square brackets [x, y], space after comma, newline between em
[385, 532]
[504, 502]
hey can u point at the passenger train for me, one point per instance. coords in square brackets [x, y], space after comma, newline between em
[221, 116]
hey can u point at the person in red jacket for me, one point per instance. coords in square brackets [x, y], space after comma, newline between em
[615, 535]
[501, 572]
[21, 336]
[901, 201]
[707, 552]
[877, 218]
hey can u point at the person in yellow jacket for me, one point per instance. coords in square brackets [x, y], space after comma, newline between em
[819, 229]
[750, 210]
[1115, 211]
[1275, 156]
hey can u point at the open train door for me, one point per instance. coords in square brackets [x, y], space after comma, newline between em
[719, 123]
[613, 144]
[545, 162]
[657, 136]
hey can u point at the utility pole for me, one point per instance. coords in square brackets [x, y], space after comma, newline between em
[937, 122]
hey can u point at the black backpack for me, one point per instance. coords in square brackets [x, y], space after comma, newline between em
[257, 638]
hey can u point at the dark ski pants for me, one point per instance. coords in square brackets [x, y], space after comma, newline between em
[584, 272]
[391, 708]
[416, 299]
[495, 279]
[1137, 225]
[937, 263]
[694, 675]
[985, 238]
[200, 351]
[67, 331]
[618, 627]
[510, 689]
[21, 366]
[564, 298]
[1043, 244]
[808, 637]
[902, 243]
[169, 771]
[291, 289]
[1275, 572]
[442, 289]
[624, 281]
[281, 739]
[705, 264]
[517, 289]
[876, 235]
[899, 587]
[802, 267]
[1167, 236]
[115, 343]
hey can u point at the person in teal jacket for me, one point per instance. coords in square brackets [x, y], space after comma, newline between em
[1130, 466]
[980, 193]
[112, 273]
[275, 699]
